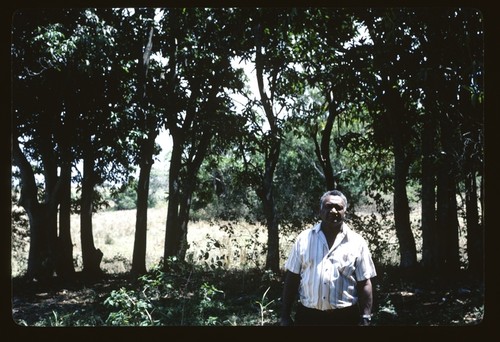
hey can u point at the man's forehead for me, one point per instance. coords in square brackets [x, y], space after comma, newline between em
[333, 199]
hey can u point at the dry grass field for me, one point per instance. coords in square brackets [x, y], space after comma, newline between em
[239, 246]
[230, 245]
[233, 245]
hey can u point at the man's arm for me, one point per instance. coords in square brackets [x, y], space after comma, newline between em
[290, 290]
[365, 294]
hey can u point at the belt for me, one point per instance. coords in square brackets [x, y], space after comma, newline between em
[336, 310]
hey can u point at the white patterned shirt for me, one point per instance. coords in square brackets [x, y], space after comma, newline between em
[329, 275]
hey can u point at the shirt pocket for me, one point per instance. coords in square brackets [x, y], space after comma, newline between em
[347, 264]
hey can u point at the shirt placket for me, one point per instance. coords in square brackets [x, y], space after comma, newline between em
[328, 273]
[325, 276]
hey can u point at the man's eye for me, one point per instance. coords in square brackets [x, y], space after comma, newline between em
[337, 207]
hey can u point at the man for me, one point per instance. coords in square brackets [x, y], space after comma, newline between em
[330, 267]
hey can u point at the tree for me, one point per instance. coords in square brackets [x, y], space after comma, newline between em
[73, 85]
[100, 132]
[454, 116]
[267, 46]
[422, 79]
[329, 64]
[136, 33]
[39, 52]
[392, 56]
[198, 75]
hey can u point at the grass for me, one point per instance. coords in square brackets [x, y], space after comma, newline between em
[233, 245]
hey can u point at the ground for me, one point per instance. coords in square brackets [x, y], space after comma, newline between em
[422, 301]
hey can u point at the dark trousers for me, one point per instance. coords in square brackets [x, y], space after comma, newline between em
[345, 316]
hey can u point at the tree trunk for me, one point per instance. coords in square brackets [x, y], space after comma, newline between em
[90, 255]
[173, 231]
[184, 188]
[267, 198]
[272, 148]
[141, 224]
[407, 249]
[322, 150]
[474, 229]
[447, 221]
[471, 133]
[51, 200]
[428, 181]
[395, 112]
[184, 208]
[38, 255]
[147, 150]
[64, 265]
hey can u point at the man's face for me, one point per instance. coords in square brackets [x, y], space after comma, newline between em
[333, 210]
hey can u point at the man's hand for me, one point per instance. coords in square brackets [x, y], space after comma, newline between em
[365, 321]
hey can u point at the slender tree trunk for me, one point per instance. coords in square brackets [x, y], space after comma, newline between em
[471, 132]
[184, 208]
[447, 220]
[407, 247]
[322, 149]
[65, 267]
[269, 206]
[184, 188]
[147, 150]
[408, 252]
[173, 231]
[453, 255]
[428, 181]
[191, 179]
[272, 147]
[475, 237]
[396, 111]
[140, 240]
[51, 203]
[475, 228]
[447, 223]
[90, 255]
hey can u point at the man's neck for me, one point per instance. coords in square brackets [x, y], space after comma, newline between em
[330, 231]
[331, 227]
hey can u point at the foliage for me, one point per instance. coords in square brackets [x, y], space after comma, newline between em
[223, 192]
[263, 304]
[126, 197]
[132, 309]
[378, 233]
[185, 295]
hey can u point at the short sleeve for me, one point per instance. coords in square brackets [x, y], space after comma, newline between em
[365, 267]
[294, 261]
